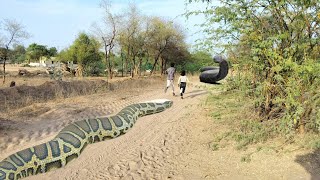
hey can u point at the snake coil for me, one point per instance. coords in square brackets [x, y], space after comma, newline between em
[213, 74]
[72, 140]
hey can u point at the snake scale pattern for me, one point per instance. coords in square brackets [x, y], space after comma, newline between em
[72, 140]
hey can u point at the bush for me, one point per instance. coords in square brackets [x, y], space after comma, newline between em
[95, 69]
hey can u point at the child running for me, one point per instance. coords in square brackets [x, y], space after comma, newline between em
[182, 82]
[171, 70]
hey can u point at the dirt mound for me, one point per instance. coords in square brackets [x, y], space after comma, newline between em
[19, 96]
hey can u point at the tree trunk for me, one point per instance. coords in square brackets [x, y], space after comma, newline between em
[140, 65]
[131, 72]
[137, 67]
[107, 67]
[165, 66]
[133, 67]
[4, 71]
[155, 62]
[110, 65]
[108, 60]
[162, 66]
[110, 71]
[127, 60]
[126, 67]
[122, 67]
[144, 72]
[4, 65]
[157, 57]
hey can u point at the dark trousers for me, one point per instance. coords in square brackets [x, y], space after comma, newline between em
[183, 86]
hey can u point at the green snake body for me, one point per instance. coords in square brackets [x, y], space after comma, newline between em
[72, 140]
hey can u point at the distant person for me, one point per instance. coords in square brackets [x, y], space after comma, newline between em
[182, 82]
[170, 71]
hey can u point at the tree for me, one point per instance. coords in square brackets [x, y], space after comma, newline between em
[52, 52]
[131, 37]
[164, 36]
[107, 32]
[191, 62]
[36, 51]
[65, 55]
[12, 32]
[277, 43]
[18, 54]
[84, 51]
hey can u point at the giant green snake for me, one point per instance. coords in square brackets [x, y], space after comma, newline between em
[72, 140]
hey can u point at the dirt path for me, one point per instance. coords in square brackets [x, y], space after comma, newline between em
[143, 152]
[175, 144]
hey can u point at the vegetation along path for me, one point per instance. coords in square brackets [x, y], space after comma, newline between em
[180, 143]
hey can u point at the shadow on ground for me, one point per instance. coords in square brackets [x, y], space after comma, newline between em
[311, 162]
[195, 94]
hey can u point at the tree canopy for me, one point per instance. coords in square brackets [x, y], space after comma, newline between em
[277, 44]
[84, 51]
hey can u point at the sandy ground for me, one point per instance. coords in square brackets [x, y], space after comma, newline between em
[174, 144]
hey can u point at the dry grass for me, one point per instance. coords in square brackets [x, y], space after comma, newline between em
[36, 80]
[40, 90]
[239, 123]
[237, 119]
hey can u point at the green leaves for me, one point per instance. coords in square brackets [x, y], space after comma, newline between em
[85, 52]
[85, 49]
[277, 47]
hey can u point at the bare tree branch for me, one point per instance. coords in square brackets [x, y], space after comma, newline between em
[13, 32]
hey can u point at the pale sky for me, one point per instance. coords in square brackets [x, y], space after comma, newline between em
[56, 23]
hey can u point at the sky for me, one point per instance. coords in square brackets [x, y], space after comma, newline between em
[56, 23]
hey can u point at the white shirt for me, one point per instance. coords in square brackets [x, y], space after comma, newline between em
[183, 79]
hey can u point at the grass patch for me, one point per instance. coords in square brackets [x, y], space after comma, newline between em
[252, 132]
[216, 115]
[246, 158]
[228, 109]
[214, 146]
[235, 113]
